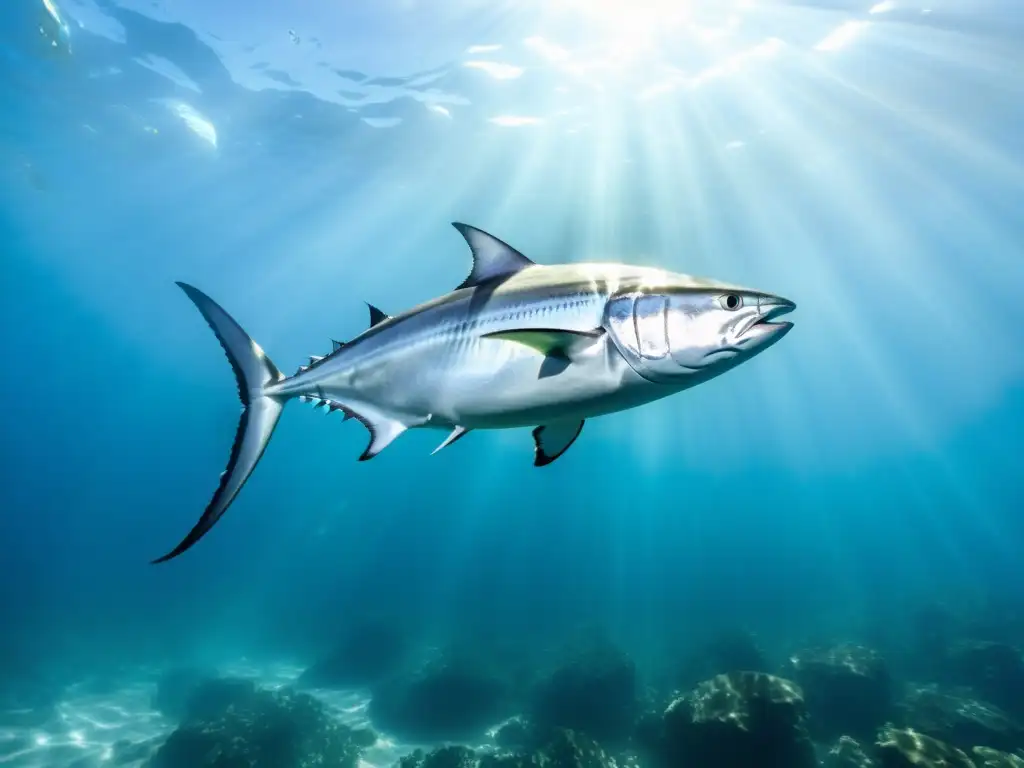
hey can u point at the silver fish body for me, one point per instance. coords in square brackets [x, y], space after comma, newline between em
[515, 345]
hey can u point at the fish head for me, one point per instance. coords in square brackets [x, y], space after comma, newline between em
[689, 333]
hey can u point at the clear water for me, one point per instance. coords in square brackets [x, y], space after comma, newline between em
[295, 160]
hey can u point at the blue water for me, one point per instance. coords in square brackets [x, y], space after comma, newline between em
[296, 160]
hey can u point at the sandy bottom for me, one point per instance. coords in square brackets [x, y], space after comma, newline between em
[121, 727]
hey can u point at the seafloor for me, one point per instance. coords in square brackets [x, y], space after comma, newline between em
[951, 694]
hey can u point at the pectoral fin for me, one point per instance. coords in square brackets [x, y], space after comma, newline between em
[550, 342]
[552, 440]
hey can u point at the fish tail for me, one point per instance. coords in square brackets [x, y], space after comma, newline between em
[254, 373]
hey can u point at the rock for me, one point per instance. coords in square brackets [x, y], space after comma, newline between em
[739, 720]
[847, 753]
[364, 737]
[958, 719]
[444, 757]
[447, 700]
[994, 670]
[524, 760]
[730, 651]
[568, 749]
[594, 694]
[847, 689]
[992, 758]
[563, 749]
[649, 738]
[264, 729]
[369, 654]
[906, 748]
[514, 735]
[212, 697]
[175, 687]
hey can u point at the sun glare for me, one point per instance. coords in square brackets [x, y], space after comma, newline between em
[628, 27]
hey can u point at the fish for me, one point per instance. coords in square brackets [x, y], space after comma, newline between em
[515, 345]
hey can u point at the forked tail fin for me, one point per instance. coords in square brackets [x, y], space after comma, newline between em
[260, 412]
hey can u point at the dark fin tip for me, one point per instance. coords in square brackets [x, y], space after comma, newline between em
[540, 457]
[199, 299]
[208, 519]
[376, 315]
[369, 453]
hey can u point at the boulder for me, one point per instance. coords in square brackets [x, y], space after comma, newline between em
[993, 758]
[728, 651]
[260, 729]
[906, 748]
[595, 693]
[847, 689]
[562, 749]
[175, 687]
[847, 753]
[447, 700]
[739, 720]
[444, 757]
[368, 654]
[994, 670]
[957, 718]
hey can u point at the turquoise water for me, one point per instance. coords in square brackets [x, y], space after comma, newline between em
[295, 161]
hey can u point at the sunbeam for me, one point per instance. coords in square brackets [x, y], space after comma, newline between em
[863, 160]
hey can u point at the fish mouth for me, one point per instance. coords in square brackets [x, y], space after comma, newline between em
[768, 311]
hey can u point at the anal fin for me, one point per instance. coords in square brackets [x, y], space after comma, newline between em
[384, 428]
[552, 440]
[382, 434]
[454, 435]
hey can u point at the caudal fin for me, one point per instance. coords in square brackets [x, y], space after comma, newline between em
[260, 412]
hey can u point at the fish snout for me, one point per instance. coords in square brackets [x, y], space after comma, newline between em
[771, 307]
[763, 329]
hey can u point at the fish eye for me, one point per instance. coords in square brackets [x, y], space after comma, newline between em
[731, 301]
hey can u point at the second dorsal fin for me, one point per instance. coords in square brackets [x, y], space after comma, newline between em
[376, 315]
[493, 260]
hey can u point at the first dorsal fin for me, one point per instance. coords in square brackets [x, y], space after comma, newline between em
[336, 345]
[493, 260]
[376, 315]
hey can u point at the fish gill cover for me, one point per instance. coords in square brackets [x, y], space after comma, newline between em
[810, 559]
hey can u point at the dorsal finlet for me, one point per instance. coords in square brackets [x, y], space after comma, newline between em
[376, 315]
[336, 345]
[493, 259]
